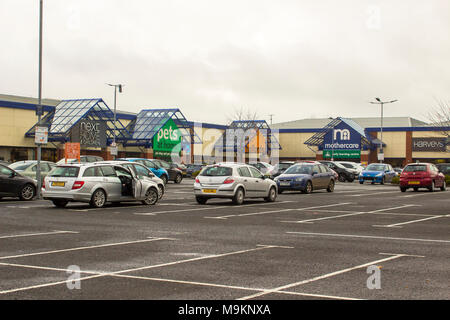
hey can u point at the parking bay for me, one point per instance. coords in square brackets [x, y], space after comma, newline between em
[301, 247]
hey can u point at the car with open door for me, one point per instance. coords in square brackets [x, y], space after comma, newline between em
[13, 184]
[97, 184]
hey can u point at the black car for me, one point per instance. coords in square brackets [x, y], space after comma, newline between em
[193, 168]
[444, 168]
[13, 184]
[279, 168]
[344, 173]
[175, 174]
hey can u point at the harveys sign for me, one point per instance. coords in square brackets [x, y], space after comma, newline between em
[429, 144]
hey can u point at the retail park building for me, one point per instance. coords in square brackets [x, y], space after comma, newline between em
[161, 132]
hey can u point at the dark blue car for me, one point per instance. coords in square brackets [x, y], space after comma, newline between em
[306, 177]
[157, 171]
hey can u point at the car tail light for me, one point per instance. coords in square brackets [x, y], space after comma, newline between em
[77, 185]
[43, 184]
[196, 180]
[228, 181]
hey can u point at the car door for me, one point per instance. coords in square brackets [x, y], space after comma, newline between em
[259, 183]
[111, 183]
[439, 180]
[317, 177]
[325, 175]
[247, 181]
[6, 182]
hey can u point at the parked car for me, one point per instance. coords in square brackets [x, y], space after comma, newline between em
[157, 170]
[264, 167]
[83, 159]
[175, 174]
[28, 168]
[279, 168]
[233, 181]
[422, 175]
[96, 184]
[13, 184]
[140, 171]
[193, 168]
[444, 168]
[306, 177]
[180, 166]
[354, 167]
[377, 173]
[398, 171]
[344, 174]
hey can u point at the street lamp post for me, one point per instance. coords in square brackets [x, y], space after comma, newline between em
[381, 121]
[39, 109]
[116, 86]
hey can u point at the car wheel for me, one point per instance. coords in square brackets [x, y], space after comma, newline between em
[402, 189]
[151, 197]
[178, 178]
[308, 189]
[431, 189]
[341, 177]
[361, 182]
[201, 200]
[416, 189]
[27, 193]
[98, 199]
[60, 203]
[161, 191]
[164, 179]
[444, 186]
[331, 186]
[238, 198]
[272, 195]
[351, 179]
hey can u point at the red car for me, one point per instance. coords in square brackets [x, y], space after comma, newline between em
[422, 175]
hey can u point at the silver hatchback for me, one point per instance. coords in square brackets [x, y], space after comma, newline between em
[97, 184]
[234, 181]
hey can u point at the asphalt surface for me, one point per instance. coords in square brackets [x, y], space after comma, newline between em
[317, 246]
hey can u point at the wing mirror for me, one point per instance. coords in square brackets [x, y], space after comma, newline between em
[314, 173]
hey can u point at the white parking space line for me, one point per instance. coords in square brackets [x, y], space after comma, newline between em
[350, 214]
[83, 248]
[37, 234]
[281, 210]
[370, 194]
[365, 237]
[118, 273]
[408, 222]
[328, 275]
[419, 194]
[196, 283]
[208, 207]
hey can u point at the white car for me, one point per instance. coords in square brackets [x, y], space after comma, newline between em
[353, 167]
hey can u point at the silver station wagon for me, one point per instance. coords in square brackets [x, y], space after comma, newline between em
[234, 181]
[97, 184]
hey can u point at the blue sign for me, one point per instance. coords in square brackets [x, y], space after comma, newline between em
[342, 137]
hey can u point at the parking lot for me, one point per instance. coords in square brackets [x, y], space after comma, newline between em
[316, 246]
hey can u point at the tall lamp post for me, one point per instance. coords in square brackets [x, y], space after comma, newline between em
[39, 109]
[381, 125]
[116, 86]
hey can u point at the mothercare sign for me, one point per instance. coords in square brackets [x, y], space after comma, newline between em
[168, 140]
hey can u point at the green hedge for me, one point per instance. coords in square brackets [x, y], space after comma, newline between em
[447, 179]
[395, 180]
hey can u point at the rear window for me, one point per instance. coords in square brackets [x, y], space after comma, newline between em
[415, 168]
[216, 172]
[67, 172]
[19, 166]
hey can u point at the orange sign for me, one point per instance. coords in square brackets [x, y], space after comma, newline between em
[72, 151]
[258, 143]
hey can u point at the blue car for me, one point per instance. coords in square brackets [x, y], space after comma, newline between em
[306, 177]
[157, 171]
[377, 173]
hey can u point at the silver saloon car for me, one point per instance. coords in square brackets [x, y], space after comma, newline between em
[233, 181]
[96, 184]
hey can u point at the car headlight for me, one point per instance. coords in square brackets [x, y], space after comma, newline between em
[276, 179]
[299, 179]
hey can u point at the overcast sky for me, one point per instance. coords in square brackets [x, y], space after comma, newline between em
[294, 59]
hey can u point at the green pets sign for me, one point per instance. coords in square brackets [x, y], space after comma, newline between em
[168, 140]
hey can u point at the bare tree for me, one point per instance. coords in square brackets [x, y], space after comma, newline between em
[439, 116]
[242, 114]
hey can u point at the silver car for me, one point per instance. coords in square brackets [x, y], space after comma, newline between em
[96, 184]
[236, 181]
[140, 171]
[28, 168]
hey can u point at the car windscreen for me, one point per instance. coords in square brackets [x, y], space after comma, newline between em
[347, 165]
[376, 167]
[299, 170]
[18, 166]
[66, 172]
[216, 172]
[415, 168]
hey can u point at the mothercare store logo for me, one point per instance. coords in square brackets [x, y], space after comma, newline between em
[168, 140]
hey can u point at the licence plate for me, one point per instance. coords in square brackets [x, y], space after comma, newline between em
[414, 182]
[285, 183]
[58, 184]
[209, 190]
